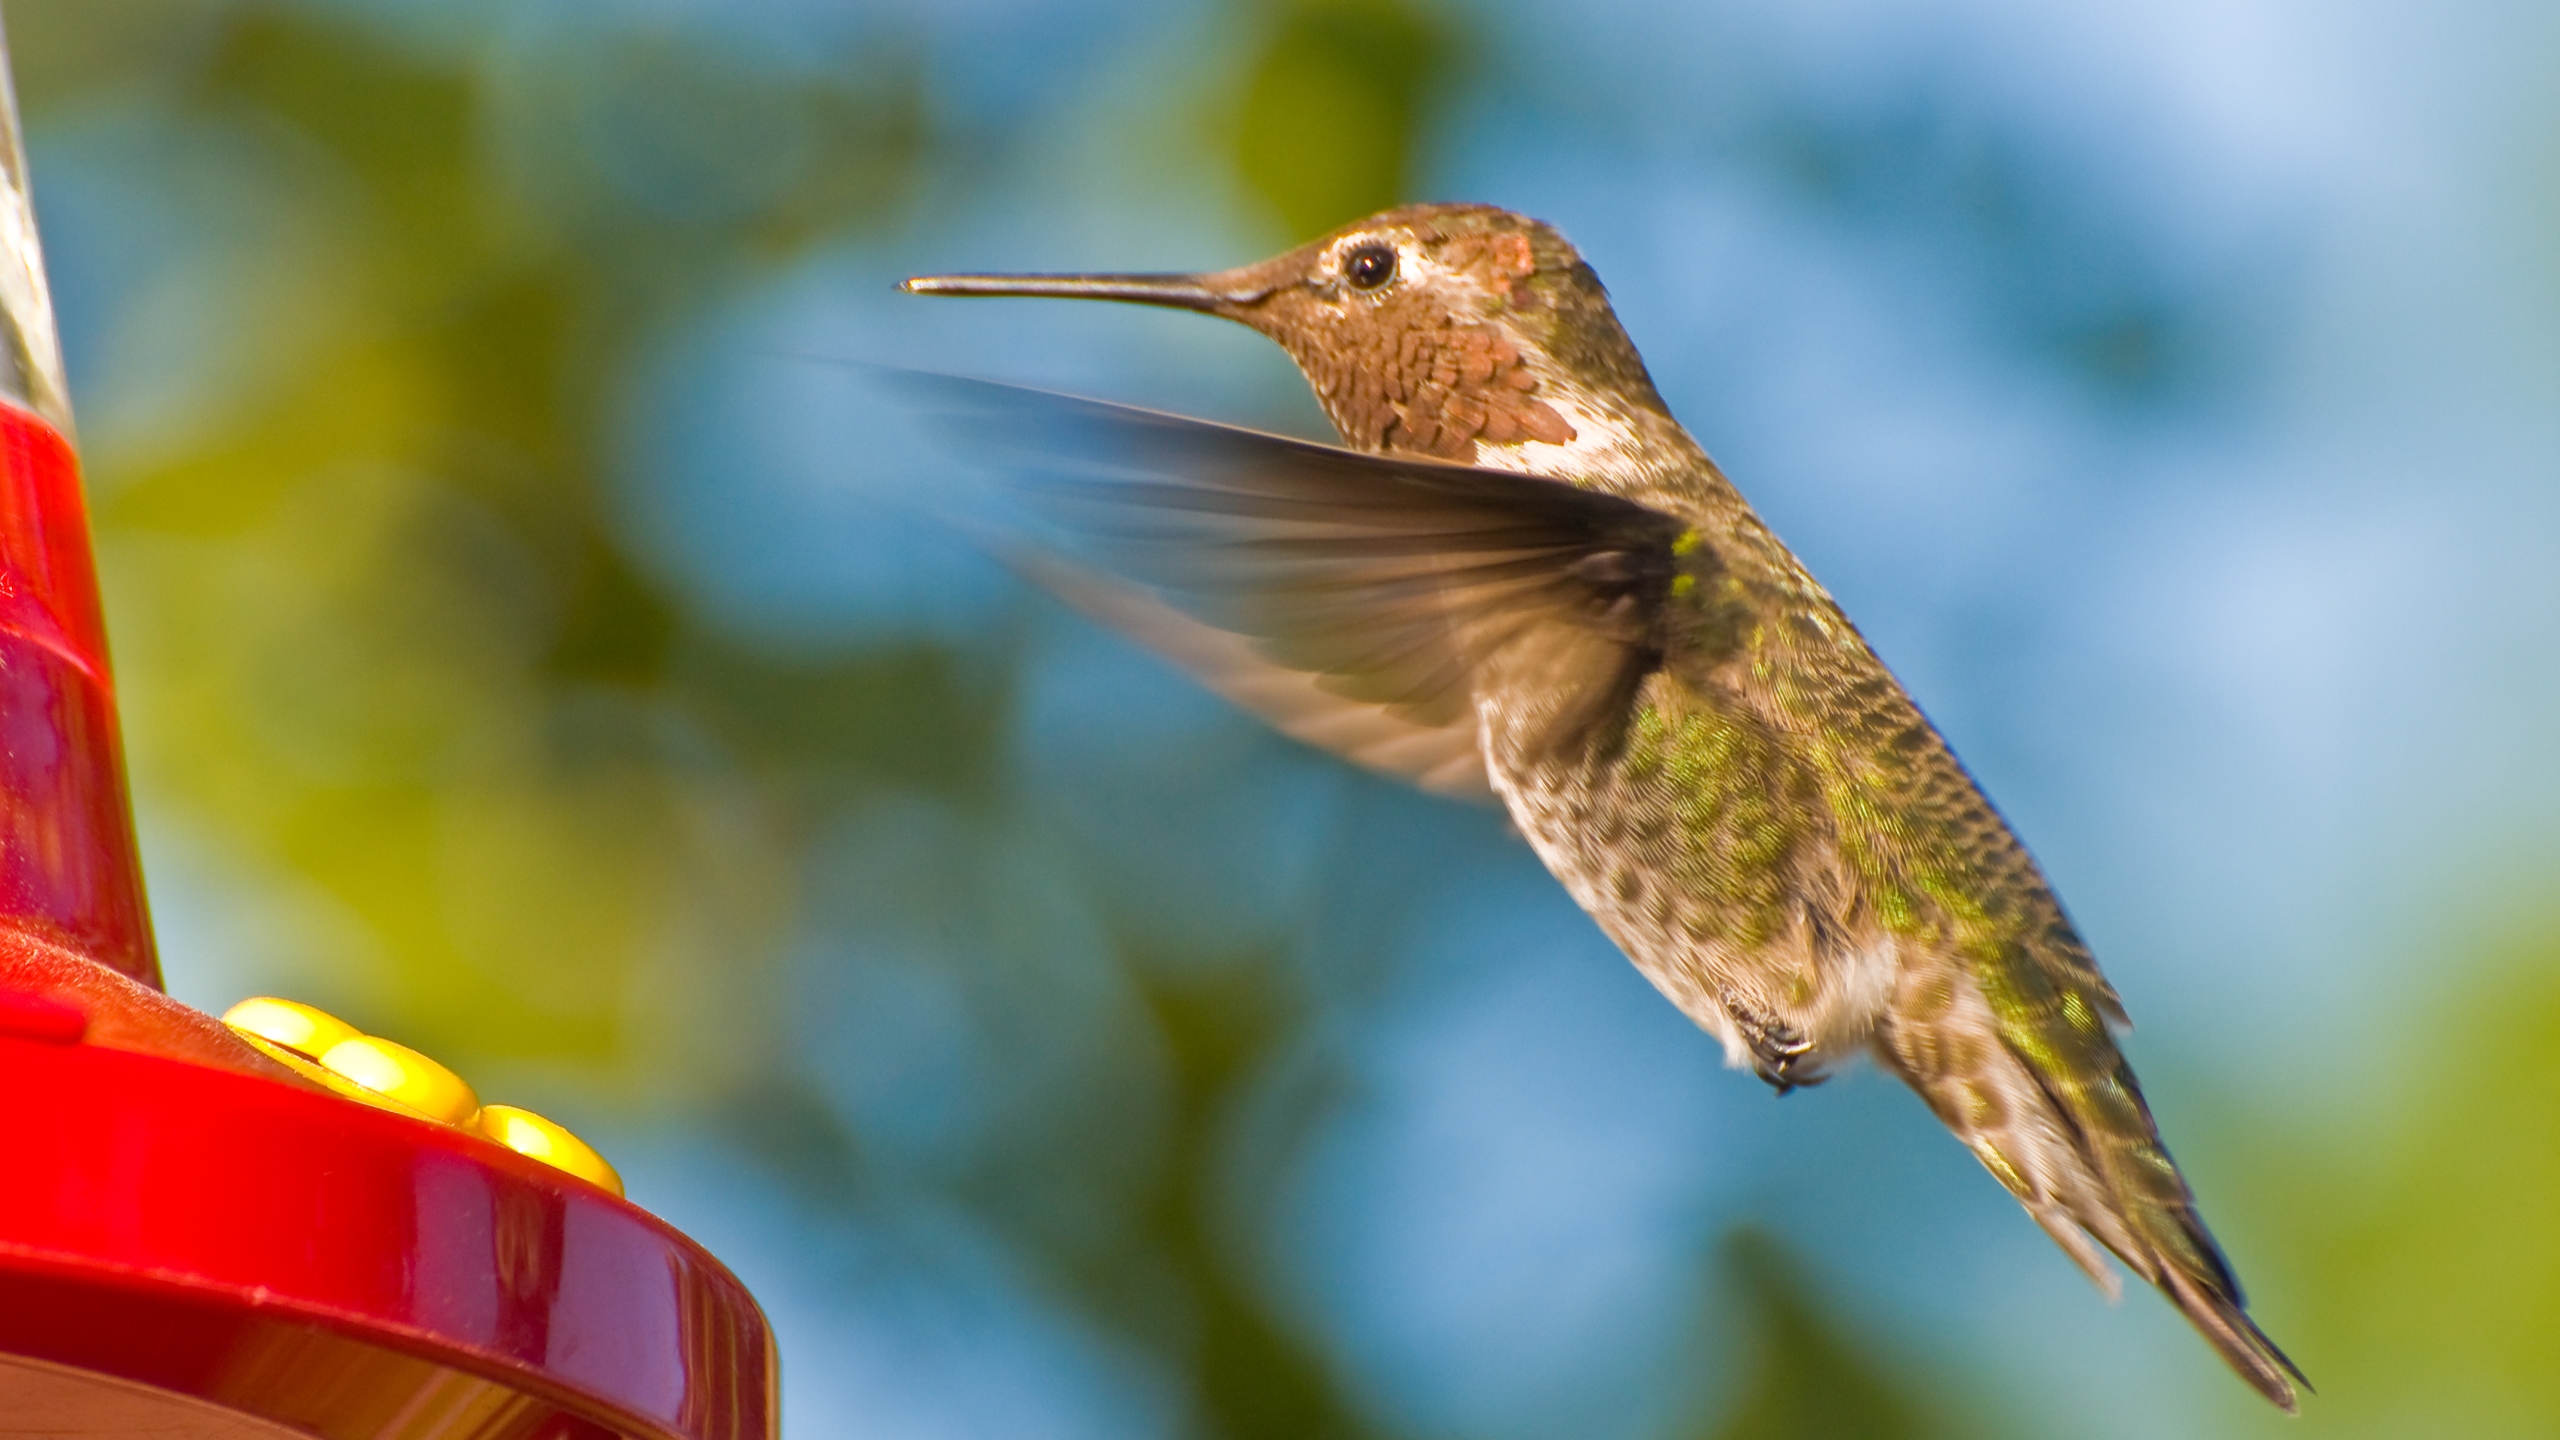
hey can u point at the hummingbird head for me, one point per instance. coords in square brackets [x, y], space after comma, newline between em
[1461, 332]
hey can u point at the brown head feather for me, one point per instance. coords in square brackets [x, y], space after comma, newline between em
[1454, 352]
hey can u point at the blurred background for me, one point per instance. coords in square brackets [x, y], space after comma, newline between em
[532, 649]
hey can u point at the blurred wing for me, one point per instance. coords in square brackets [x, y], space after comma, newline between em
[1443, 759]
[1357, 601]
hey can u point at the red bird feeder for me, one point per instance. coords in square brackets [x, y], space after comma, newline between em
[218, 1232]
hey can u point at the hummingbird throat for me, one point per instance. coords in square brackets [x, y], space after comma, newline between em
[1434, 385]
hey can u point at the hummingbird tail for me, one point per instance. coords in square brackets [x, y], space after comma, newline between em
[2228, 1328]
[2015, 1066]
[2178, 1253]
[2144, 1194]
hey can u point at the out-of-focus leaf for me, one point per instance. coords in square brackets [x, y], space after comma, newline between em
[1809, 1381]
[1334, 107]
[2420, 1271]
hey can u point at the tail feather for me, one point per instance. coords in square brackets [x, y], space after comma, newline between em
[2047, 1103]
[2228, 1328]
[2185, 1262]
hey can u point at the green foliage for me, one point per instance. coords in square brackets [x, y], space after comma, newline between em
[1256, 1380]
[1807, 1380]
[2420, 1269]
[1333, 105]
[371, 621]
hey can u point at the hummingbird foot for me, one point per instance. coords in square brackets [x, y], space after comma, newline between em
[1781, 1054]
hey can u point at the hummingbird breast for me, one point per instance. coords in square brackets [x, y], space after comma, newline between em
[1701, 842]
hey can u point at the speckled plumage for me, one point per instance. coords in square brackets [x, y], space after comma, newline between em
[1590, 622]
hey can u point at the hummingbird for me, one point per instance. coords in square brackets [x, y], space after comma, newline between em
[1518, 578]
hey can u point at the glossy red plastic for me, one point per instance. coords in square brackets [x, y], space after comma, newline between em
[195, 1241]
[290, 1256]
[69, 871]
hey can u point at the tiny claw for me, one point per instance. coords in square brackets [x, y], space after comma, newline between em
[1778, 1049]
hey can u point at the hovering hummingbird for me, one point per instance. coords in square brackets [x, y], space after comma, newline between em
[1524, 580]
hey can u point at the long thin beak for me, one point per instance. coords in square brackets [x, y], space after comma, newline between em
[1182, 292]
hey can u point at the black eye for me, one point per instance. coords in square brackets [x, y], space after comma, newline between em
[1370, 266]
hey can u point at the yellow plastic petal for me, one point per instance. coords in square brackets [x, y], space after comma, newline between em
[530, 1135]
[329, 1080]
[303, 1029]
[400, 1073]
